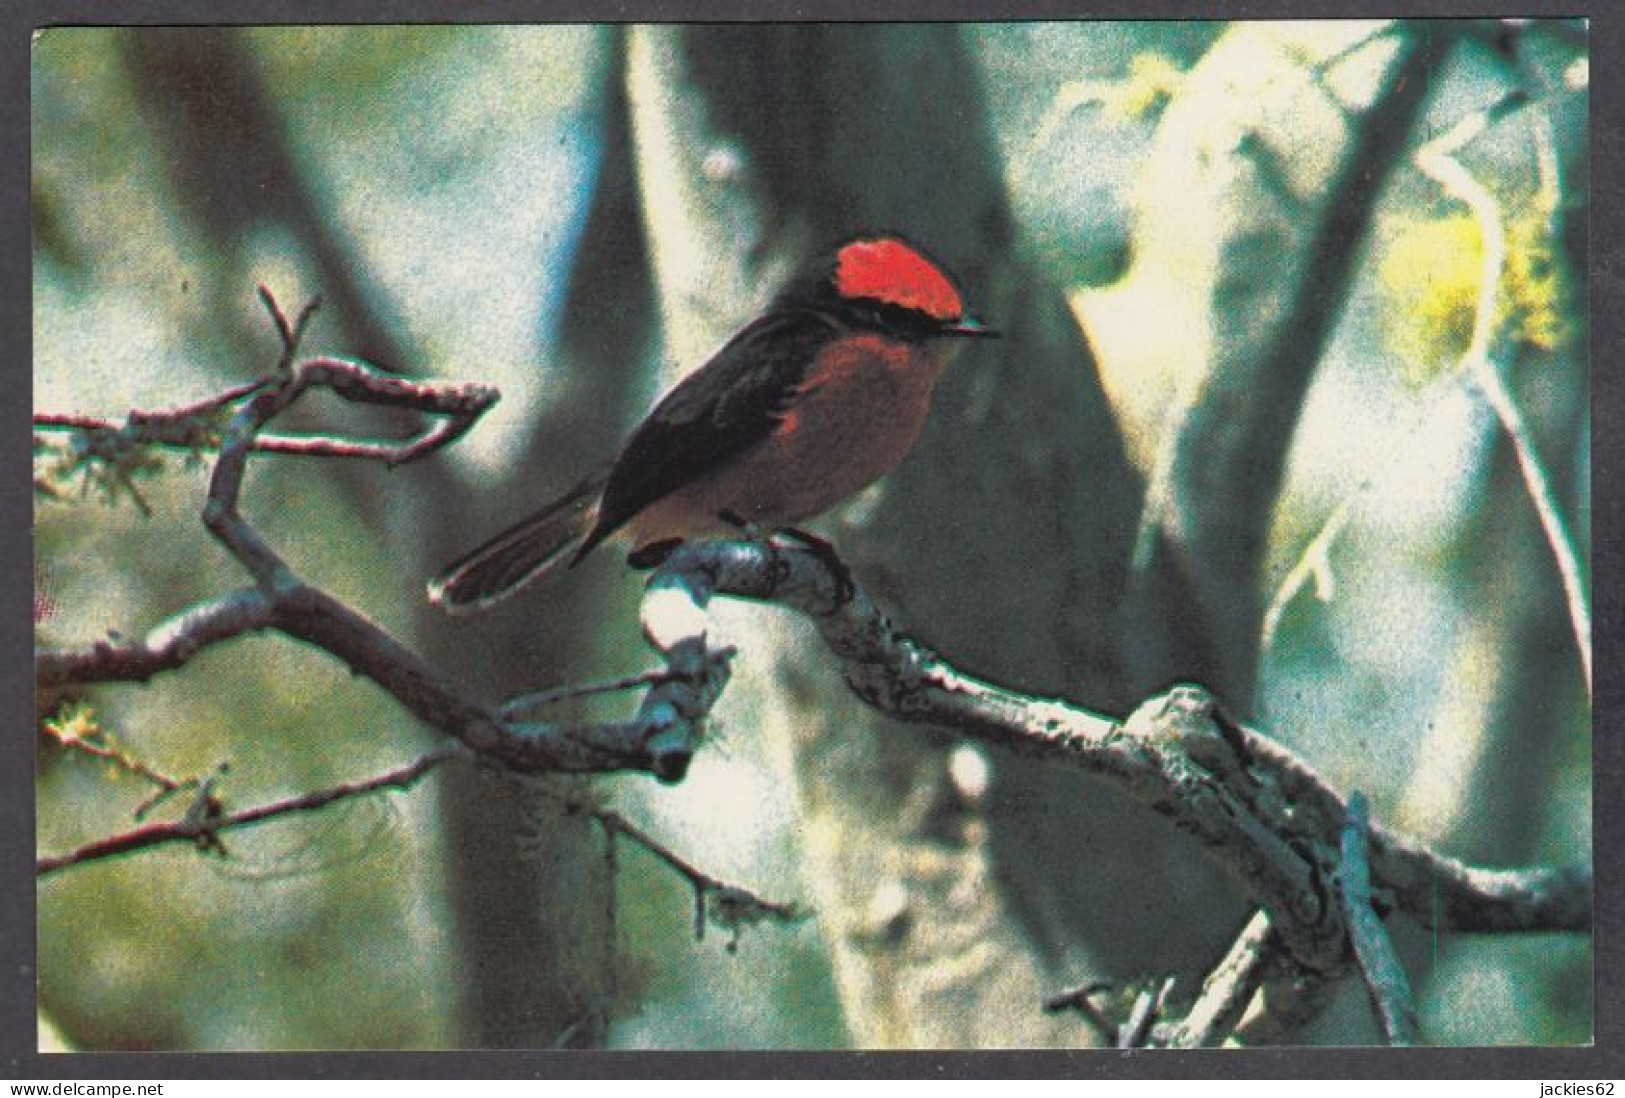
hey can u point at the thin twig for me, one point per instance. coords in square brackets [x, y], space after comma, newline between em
[1136, 1030]
[1256, 806]
[169, 646]
[1079, 999]
[193, 427]
[1313, 563]
[180, 414]
[1249, 800]
[661, 737]
[173, 434]
[1436, 160]
[291, 334]
[1379, 963]
[737, 905]
[1229, 988]
[539, 698]
[201, 827]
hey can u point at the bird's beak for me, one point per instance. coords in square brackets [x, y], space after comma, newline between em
[969, 326]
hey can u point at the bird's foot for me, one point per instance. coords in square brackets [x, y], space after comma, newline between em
[821, 548]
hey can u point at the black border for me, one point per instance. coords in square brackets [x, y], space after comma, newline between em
[18, 1026]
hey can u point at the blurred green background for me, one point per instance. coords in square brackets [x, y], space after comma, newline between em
[453, 194]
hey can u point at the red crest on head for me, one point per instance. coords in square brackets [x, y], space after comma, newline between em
[890, 271]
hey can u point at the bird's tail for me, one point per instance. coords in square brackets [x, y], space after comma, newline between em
[520, 553]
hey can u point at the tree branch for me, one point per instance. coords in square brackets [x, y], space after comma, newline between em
[1250, 800]
[729, 906]
[166, 648]
[1283, 244]
[1229, 988]
[660, 739]
[208, 819]
[1379, 964]
[1289, 997]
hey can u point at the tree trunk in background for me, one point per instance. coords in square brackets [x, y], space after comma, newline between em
[235, 174]
[1261, 230]
[529, 887]
[1486, 761]
[1490, 762]
[1296, 221]
[1512, 567]
[528, 891]
[1002, 540]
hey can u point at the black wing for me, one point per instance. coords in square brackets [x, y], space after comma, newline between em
[729, 404]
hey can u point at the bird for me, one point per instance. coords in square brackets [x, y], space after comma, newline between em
[818, 397]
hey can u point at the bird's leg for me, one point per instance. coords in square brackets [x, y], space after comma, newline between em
[751, 530]
[652, 555]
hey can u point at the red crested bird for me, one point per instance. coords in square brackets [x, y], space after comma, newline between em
[814, 400]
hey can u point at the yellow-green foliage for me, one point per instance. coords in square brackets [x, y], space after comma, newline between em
[105, 462]
[1534, 288]
[1151, 81]
[1430, 274]
[75, 722]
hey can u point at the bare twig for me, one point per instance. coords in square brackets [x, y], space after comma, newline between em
[456, 408]
[196, 426]
[1251, 802]
[661, 738]
[1080, 1000]
[1229, 988]
[537, 699]
[201, 827]
[1148, 756]
[727, 905]
[1136, 1030]
[1314, 563]
[1437, 161]
[1222, 440]
[291, 334]
[1384, 976]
